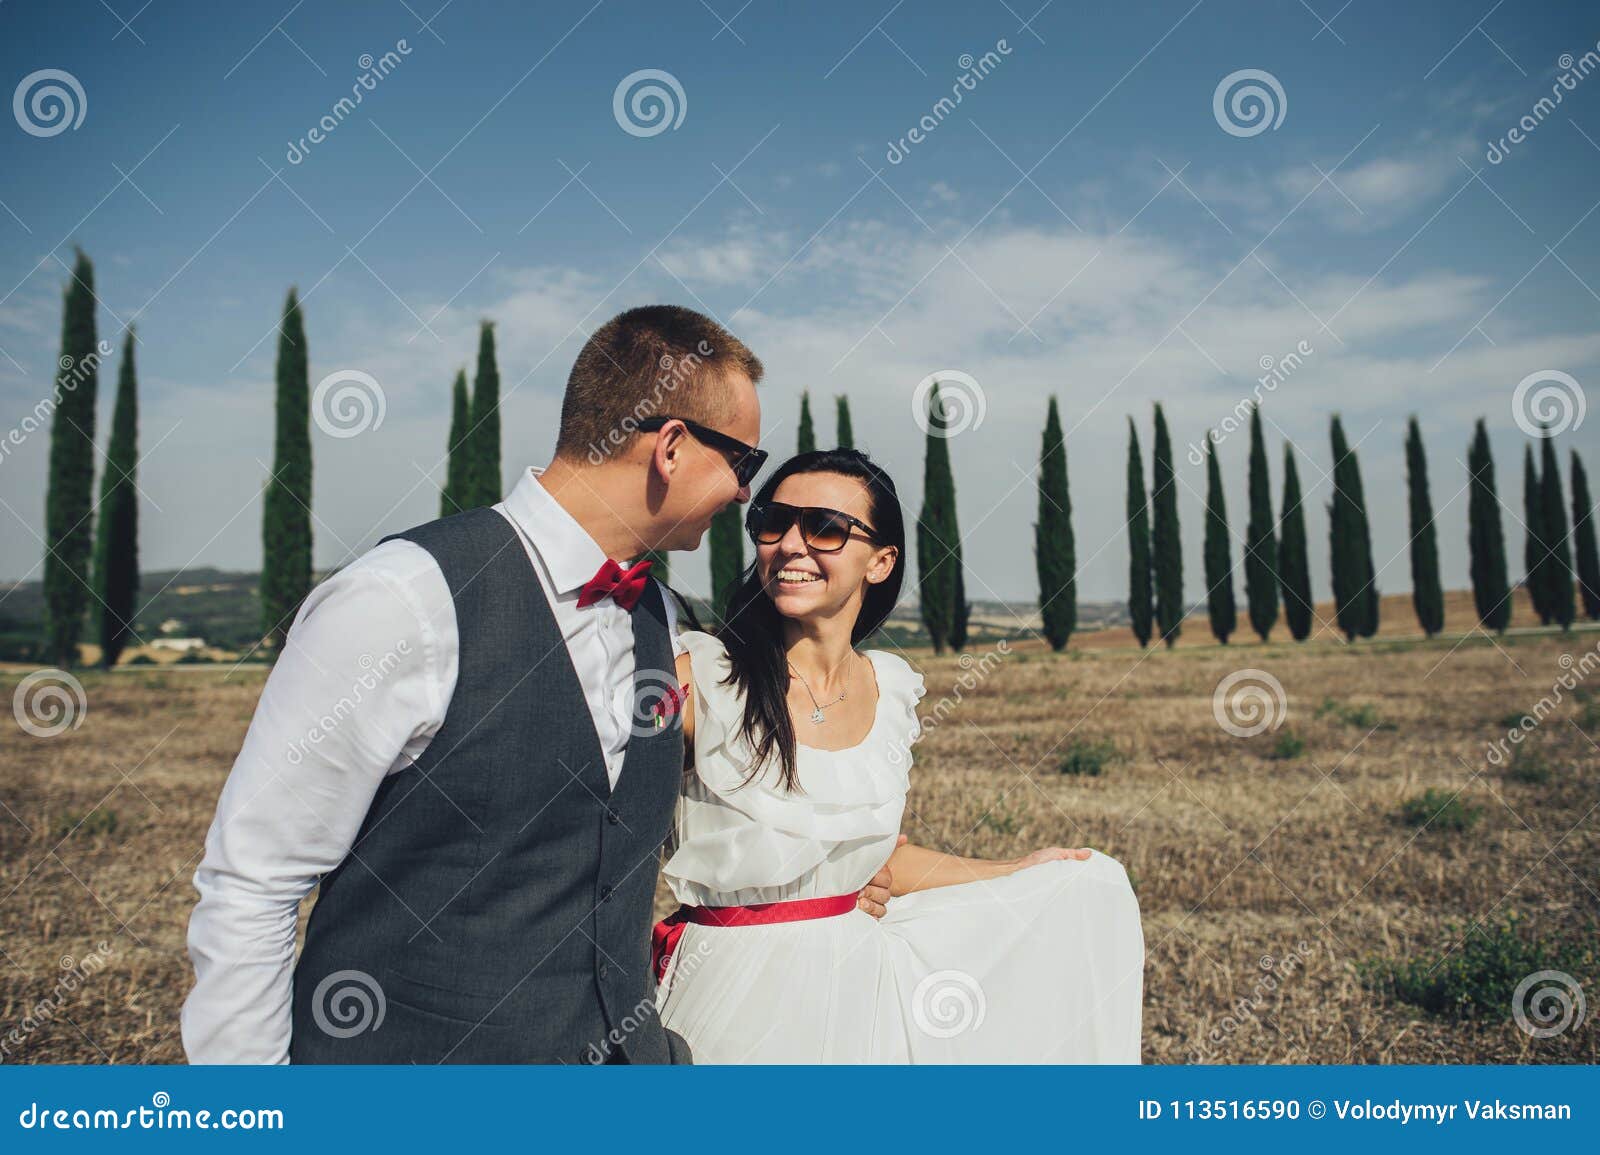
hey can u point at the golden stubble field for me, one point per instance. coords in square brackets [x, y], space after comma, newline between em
[1262, 881]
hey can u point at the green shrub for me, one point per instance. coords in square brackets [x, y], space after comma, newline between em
[1512, 721]
[140, 660]
[1527, 765]
[91, 825]
[1480, 974]
[1288, 747]
[1364, 716]
[1440, 810]
[1589, 716]
[1086, 757]
[999, 819]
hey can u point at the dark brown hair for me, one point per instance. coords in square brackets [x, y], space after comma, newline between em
[657, 360]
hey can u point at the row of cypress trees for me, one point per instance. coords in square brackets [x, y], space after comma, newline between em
[1275, 563]
[91, 560]
[1274, 568]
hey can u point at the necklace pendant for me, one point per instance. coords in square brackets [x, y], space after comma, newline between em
[816, 715]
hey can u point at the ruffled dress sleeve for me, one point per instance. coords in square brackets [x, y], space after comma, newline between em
[741, 841]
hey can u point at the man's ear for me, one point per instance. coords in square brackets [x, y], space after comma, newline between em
[667, 453]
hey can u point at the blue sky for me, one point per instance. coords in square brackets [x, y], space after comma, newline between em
[1081, 224]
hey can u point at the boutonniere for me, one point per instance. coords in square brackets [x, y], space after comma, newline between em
[670, 705]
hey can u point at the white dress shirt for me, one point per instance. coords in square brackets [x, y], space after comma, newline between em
[361, 687]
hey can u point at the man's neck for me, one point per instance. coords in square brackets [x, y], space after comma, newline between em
[591, 497]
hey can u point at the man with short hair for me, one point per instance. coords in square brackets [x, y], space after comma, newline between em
[468, 741]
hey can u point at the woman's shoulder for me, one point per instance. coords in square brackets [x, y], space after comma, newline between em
[704, 652]
[898, 679]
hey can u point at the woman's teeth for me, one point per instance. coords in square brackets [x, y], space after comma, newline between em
[796, 576]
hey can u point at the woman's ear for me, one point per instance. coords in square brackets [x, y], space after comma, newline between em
[882, 565]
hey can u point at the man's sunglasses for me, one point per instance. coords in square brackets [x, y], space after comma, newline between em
[747, 459]
[822, 529]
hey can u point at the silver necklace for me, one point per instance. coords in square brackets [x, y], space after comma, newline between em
[818, 707]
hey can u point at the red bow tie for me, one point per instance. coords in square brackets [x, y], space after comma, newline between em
[624, 586]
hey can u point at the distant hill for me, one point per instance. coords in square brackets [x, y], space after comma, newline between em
[217, 605]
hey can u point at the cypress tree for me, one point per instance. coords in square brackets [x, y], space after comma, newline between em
[1294, 570]
[68, 507]
[727, 555]
[1218, 564]
[1168, 547]
[458, 478]
[1140, 609]
[1557, 562]
[963, 608]
[286, 512]
[1583, 537]
[1533, 547]
[1355, 592]
[1260, 557]
[938, 538]
[485, 434]
[847, 433]
[660, 567]
[1427, 595]
[1491, 589]
[116, 551]
[808, 432]
[1054, 550]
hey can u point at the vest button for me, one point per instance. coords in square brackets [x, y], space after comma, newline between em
[605, 971]
[605, 893]
[612, 816]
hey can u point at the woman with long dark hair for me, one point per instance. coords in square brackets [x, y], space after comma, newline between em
[798, 751]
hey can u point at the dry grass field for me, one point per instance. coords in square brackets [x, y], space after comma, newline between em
[1268, 868]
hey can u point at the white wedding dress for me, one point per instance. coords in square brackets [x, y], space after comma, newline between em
[1045, 965]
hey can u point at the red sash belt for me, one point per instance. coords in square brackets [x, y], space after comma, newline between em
[664, 938]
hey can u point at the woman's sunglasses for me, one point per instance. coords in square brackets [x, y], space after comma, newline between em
[747, 459]
[822, 529]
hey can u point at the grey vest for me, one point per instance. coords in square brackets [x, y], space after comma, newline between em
[496, 904]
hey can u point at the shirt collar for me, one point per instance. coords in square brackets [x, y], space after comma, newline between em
[571, 557]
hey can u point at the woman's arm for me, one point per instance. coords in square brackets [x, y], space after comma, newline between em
[916, 868]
